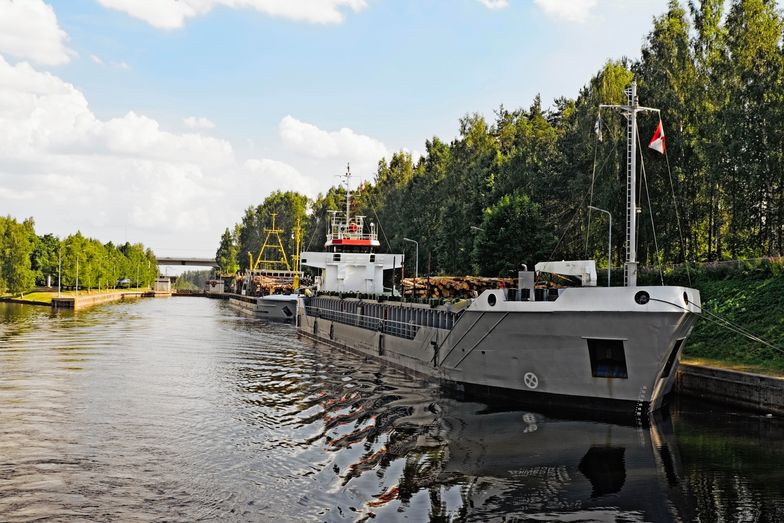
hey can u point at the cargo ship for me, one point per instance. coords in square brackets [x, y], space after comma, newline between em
[585, 347]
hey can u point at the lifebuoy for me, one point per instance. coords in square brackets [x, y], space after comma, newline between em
[352, 227]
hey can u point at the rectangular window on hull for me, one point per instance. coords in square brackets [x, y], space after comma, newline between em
[608, 359]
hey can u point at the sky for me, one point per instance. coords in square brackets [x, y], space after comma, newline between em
[161, 121]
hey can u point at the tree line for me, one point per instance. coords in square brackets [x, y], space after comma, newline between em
[193, 280]
[516, 188]
[28, 260]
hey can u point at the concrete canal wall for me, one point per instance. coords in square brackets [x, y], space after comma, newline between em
[746, 390]
[89, 300]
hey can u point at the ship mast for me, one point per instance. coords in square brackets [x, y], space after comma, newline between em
[630, 112]
[347, 177]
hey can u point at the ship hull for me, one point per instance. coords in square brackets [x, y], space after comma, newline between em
[276, 307]
[610, 357]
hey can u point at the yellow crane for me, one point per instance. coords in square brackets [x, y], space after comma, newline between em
[276, 245]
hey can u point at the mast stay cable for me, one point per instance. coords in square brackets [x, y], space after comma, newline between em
[593, 179]
[650, 210]
[579, 208]
[678, 218]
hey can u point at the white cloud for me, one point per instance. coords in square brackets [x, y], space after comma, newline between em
[115, 65]
[198, 122]
[568, 10]
[29, 31]
[119, 179]
[495, 4]
[278, 175]
[168, 14]
[344, 144]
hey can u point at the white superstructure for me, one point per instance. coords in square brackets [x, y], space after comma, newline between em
[350, 263]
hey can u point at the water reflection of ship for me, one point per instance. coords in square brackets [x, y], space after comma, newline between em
[550, 465]
[515, 463]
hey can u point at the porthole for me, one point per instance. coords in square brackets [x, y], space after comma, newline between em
[491, 300]
[642, 297]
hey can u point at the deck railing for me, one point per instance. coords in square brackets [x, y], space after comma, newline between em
[395, 320]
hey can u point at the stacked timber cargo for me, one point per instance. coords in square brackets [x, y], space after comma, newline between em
[453, 286]
[264, 285]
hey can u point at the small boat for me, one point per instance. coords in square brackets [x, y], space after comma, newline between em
[585, 347]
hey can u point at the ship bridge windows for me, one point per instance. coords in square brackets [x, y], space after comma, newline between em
[608, 359]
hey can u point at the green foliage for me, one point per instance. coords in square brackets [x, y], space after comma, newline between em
[228, 252]
[27, 259]
[192, 280]
[515, 225]
[755, 304]
[17, 241]
[44, 259]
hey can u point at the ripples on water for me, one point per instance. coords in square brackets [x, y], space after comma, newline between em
[179, 409]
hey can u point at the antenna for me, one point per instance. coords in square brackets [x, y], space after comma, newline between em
[347, 177]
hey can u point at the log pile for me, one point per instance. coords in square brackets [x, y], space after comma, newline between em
[453, 286]
[264, 285]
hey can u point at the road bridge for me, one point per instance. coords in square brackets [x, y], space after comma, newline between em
[195, 262]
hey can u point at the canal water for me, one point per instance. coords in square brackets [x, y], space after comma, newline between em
[180, 410]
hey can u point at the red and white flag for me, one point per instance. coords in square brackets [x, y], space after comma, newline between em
[658, 142]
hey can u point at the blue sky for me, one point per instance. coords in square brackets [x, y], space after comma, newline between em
[160, 121]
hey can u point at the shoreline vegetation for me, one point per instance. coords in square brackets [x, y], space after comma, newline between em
[29, 261]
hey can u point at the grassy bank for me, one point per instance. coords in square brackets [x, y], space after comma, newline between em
[753, 302]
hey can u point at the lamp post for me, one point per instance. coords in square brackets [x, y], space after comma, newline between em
[609, 240]
[416, 262]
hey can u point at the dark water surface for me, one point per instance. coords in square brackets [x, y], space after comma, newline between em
[179, 410]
